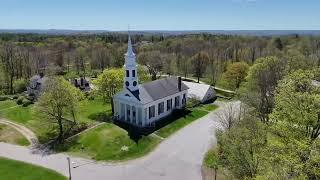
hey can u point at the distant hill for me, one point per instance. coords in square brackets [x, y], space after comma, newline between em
[226, 32]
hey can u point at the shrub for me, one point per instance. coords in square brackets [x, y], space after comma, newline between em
[26, 103]
[193, 101]
[20, 85]
[15, 97]
[4, 98]
[20, 100]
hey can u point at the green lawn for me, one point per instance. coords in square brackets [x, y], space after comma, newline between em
[109, 142]
[181, 122]
[27, 117]
[207, 107]
[7, 104]
[16, 170]
[10, 135]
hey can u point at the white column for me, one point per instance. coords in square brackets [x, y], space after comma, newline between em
[143, 116]
[125, 112]
[156, 111]
[147, 121]
[131, 114]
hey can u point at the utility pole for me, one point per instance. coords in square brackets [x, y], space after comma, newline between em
[68, 158]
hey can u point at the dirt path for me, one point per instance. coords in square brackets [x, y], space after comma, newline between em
[32, 138]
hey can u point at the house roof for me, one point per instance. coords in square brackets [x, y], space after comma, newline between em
[197, 89]
[158, 89]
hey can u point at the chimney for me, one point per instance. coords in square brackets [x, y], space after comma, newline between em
[179, 83]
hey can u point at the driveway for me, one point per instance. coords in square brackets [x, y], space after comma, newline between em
[178, 157]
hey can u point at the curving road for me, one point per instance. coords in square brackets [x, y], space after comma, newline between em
[31, 137]
[178, 157]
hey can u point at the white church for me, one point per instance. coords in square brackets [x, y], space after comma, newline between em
[143, 104]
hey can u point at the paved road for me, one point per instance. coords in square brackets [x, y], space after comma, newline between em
[31, 137]
[178, 157]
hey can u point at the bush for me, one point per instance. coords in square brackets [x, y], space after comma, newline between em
[193, 101]
[20, 100]
[26, 103]
[15, 97]
[20, 86]
[4, 98]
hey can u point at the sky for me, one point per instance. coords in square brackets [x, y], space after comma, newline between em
[160, 14]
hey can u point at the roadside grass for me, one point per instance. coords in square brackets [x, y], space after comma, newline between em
[12, 136]
[14, 170]
[109, 142]
[211, 167]
[181, 122]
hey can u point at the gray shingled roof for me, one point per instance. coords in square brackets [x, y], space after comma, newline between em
[158, 89]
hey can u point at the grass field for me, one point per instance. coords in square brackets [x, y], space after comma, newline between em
[109, 142]
[16, 170]
[27, 117]
[180, 123]
[10, 135]
[207, 107]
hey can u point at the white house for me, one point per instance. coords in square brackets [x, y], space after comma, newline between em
[144, 104]
[202, 92]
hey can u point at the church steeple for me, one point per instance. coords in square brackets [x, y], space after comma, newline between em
[129, 50]
[131, 75]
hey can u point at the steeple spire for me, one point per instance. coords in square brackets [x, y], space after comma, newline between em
[129, 50]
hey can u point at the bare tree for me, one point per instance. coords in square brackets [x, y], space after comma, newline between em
[8, 61]
[153, 61]
[228, 116]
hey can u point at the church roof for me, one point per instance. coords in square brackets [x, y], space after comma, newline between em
[158, 89]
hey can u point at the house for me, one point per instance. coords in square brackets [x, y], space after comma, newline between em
[201, 92]
[81, 83]
[143, 104]
[34, 86]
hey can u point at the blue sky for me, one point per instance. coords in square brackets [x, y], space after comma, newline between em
[161, 14]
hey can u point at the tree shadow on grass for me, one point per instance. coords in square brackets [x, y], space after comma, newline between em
[136, 133]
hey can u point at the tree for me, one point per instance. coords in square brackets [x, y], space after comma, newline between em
[109, 82]
[199, 63]
[153, 61]
[235, 74]
[241, 147]
[228, 116]
[296, 125]
[59, 100]
[262, 80]
[8, 60]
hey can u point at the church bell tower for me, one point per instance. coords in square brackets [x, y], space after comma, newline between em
[130, 67]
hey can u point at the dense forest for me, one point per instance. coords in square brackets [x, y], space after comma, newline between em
[275, 135]
[213, 58]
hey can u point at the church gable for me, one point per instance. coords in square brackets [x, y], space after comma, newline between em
[126, 95]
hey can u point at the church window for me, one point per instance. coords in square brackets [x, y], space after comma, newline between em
[160, 108]
[169, 104]
[133, 73]
[177, 101]
[152, 112]
[127, 73]
[127, 83]
[134, 83]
